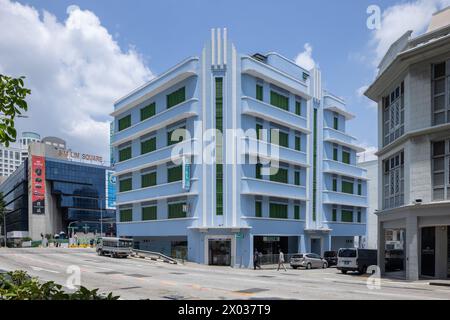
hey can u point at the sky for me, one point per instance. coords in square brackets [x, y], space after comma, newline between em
[80, 56]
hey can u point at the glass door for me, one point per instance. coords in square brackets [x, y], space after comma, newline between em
[220, 252]
[428, 244]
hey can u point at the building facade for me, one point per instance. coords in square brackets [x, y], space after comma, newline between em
[282, 174]
[13, 156]
[412, 90]
[50, 193]
[371, 241]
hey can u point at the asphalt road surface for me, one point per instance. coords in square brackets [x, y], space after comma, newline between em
[135, 278]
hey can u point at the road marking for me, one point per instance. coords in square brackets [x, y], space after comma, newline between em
[94, 267]
[42, 269]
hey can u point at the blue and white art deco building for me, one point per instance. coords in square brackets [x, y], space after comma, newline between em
[209, 197]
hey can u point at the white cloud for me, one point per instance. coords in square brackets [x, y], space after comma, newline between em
[397, 19]
[367, 155]
[360, 91]
[74, 68]
[304, 59]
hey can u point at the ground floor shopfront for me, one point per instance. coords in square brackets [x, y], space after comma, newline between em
[416, 241]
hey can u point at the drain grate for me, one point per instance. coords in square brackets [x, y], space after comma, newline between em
[109, 272]
[137, 275]
[252, 290]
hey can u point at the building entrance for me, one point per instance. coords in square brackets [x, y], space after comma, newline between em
[316, 246]
[219, 252]
[428, 247]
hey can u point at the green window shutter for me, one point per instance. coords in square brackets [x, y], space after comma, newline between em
[297, 212]
[258, 209]
[334, 218]
[280, 176]
[148, 111]
[282, 136]
[347, 187]
[298, 143]
[336, 123]
[171, 141]
[298, 108]
[176, 210]
[219, 189]
[278, 211]
[259, 133]
[297, 178]
[335, 154]
[125, 154]
[259, 92]
[148, 145]
[126, 215]
[279, 100]
[149, 213]
[176, 97]
[347, 216]
[174, 174]
[125, 122]
[125, 185]
[346, 157]
[359, 189]
[334, 184]
[148, 180]
[258, 174]
[359, 217]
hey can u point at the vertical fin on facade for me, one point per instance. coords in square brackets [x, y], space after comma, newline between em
[218, 47]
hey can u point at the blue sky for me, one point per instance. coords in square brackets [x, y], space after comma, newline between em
[165, 32]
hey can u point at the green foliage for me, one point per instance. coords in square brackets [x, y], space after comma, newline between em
[12, 103]
[18, 285]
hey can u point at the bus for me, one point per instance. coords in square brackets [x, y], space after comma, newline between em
[355, 259]
[114, 247]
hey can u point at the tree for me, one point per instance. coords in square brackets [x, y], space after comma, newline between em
[12, 103]
[2, 215]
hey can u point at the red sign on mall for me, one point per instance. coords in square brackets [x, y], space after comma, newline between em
[38, 184]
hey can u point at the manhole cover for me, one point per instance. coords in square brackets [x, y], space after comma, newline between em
[252, 290]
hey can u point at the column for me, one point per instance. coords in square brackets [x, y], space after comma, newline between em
[381, 246]
[411, 253]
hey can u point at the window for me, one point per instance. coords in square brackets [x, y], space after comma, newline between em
[176, 97]
[259, 92]
[441, 94]
[259, 132]
[359, 216]
[176, 210]
[393, 115]
[347, 215]
[283, 138]
[219, 189]
[347, 186]
[278, 211]
[125, 122]
[393, 181]
[335, 123]
[346, 156]
[279, 100]
[149, 213]
[298, 107]
[219, 144]
[359, 188]
[175, 174]
[148, 145]
[296, 212]
[126, 215]
[335, 153]
[334, 214]
[335, 183]
[174, 138]
[281, 175]
[298, 143]
[148, 111]
[125, 184]
[125, 153]
[258, 209]
[297, 178]
[148, 179]
[441, 170]
[258, 174]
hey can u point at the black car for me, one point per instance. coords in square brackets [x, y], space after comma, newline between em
[330, 257]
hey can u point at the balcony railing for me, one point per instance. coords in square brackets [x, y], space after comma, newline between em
[342, 138]
[254, 186]
[345, 199]
[343, 169]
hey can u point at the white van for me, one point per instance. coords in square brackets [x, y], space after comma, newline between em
[354, 259]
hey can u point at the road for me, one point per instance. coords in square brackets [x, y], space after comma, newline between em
[135, 278]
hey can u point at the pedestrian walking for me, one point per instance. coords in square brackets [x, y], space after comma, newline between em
[256, 260]
[281, 261]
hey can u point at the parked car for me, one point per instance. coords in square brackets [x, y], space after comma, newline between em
[330, 257]
[308, 261]
[354, 259]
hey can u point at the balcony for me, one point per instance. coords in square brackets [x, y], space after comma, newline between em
[346, 228]
[256, 108]
[266, 150]
[343, 169]
[156, 157]
[162, 191]
[345, 199]
[252, 186]
[272, 75]
[178, 73]
[341, 138]
[166, 227]
[336, 104]
[184, 110]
